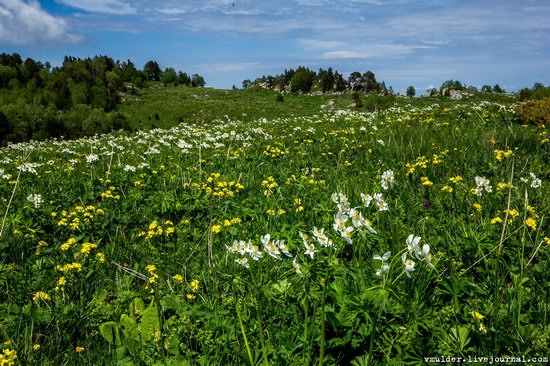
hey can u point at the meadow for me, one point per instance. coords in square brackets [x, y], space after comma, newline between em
[314, 236]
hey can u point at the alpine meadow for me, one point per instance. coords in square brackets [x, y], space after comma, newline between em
[152, 216]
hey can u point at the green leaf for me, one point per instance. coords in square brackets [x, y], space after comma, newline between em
[109, 331]
[149, 322]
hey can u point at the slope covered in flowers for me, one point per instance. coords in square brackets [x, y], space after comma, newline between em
[338, 238]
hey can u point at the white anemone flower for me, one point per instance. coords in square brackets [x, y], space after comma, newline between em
[271, 249]
[297, 267]
[310, 250]
[409, 264]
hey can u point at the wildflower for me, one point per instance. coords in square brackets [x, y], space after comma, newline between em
[534, 182]
[426, 203]
[409, 264]
[283, 247]
[35, 199]
[513, 212]
[194, 285]
[502, 186]
[254, 251]
[297, 267]
[178, 278]
[388, 179]
[496, 220]
[79, 349]
[385, 266]
[100, 257]
[477, 316]
[547, 240]
[243, 262]
[191, 297]
[310, 249]
[447, 188]
[477, 206]
[40, 295]
[531, 223]
[482, 183]
[36, 347]
[270, 247]
[216, 229]
[426, 181]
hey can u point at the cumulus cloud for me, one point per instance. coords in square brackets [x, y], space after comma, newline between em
[117, 7]
[25, 22]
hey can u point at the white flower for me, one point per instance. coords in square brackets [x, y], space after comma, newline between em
[129, 168]
[367, 199]
[243, 262]
[341, 201]
[346, 233]
[409, 264]
[388, 179]
[412, 244]
[535, 182]
[91, 158]
[238, 247]
[297, 267]
[270, 247]
[254, 252]
[283, 247]
[35, 199]
[482, 183]
[385, 266]
[340, 220]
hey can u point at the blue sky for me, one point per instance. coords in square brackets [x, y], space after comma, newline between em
[404, 42]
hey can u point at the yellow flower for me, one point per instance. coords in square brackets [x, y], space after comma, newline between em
[502, 186]
[496, 220]
[178, 278]
[36, 347]
[190, 297]
[426, 181]
[531, 223]
[477, 206]
[456, 179]
[281, 212]
[79, 349]
[194, 285]
[513, 212]
[547, 240]
[40, 295]
[447, 189]
[271, 212]
[100, 257]
[216, 229]
[7, 344]
[477, 316]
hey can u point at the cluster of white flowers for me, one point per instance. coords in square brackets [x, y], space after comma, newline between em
[4, 175]
[90, 158]
[533, 181]
[35, 199]
[129, 168]
[414, 251]
[343, 216]
[29, 167]
[482, 184]
[388, 179]
[377, 199]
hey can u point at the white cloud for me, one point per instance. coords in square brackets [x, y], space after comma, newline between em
[117, 7]
[25, 22]
[171, 11]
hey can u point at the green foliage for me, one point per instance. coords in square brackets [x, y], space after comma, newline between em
[301, 81]
[411, 92]
[535, 112]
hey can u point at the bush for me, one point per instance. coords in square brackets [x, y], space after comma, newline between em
[280, 98]
[536, 112]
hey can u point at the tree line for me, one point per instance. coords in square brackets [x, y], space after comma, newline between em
[305, 80]
[78, 98]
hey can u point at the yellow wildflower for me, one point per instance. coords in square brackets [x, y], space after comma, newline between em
[41, 295]
[36, 347]
[194, 285]
[531, 223]
[456, 179]
[426, 181]
[477, 206]
[216, 229]
[496, 220]
[447, 188]
[79, 349]
[178, 278]
[477, 316]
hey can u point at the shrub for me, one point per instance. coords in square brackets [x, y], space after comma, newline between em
[536, 112]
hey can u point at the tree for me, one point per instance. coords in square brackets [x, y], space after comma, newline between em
[169, 76]
[369, 82]
[301, 81]
[498, 89]
[183, 79]
[152, 71]
[486, 89]
[247, 84]
[411, 92]
[197, 81]
[355, 81]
